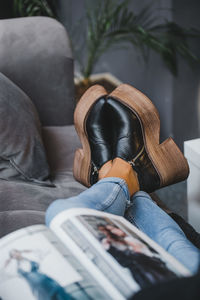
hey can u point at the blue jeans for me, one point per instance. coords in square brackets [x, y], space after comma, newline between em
[111, 195]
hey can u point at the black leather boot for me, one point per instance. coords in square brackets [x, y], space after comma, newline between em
[92, 123]
[125, 124]
[136, 139]
[128, 144]
[99, 136]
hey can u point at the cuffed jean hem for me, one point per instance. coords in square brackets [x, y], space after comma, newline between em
[109, 195]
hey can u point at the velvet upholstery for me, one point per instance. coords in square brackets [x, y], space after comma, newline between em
[23, 203]
[22, 153]
[60, 143]
[35, 54]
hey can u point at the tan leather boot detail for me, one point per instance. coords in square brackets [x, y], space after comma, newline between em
[122, 169]
[105, 169]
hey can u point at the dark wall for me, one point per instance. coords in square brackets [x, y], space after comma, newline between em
[127, 64]
[175, 98]
[6, 10]
[186, 85]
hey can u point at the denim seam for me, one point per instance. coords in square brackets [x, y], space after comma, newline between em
[124, 188]
[109, 200]
[115, 180]
[139, 227]
[123, 185]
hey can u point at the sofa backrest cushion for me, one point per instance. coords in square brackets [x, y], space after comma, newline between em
[60, 143]
[22, 154]
[35, 54]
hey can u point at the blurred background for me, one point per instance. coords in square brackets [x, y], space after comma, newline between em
[176, 97]
[173, 85]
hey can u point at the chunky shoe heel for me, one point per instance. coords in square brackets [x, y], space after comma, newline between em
[157, 164]
[83, 165]
[170, 163]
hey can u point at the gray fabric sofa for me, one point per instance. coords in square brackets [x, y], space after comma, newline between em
[35, 54]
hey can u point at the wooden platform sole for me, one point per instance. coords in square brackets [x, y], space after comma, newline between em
[167, 159]
[82, 158]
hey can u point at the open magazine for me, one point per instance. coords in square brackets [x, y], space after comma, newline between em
[84, 255]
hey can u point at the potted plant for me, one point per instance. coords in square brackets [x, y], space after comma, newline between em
[110, 23]
[25, 8]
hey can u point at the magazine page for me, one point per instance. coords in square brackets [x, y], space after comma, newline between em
[126, 256]
[35, 265]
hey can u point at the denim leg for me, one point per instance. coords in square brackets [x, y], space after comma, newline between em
[159, 226]
[108, 195]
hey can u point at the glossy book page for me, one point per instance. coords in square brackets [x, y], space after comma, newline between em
[35, 264]
[117, 250]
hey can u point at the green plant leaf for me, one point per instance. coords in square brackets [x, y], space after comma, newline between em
[25, 8]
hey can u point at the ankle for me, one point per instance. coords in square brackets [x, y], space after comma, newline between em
[122, 169]
[105, 169]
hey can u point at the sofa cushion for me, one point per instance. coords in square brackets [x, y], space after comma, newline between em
[34, 200]
[22, 154]
[16, 219]
[61, 143]
[35, 53]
